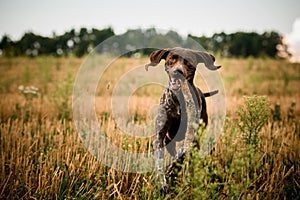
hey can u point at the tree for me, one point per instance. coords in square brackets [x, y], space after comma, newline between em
[270, 42]
[239, 44]
[7, 46]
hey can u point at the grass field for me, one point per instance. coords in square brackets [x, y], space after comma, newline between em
[42, 157]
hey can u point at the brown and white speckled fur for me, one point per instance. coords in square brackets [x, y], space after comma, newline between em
[171, 122]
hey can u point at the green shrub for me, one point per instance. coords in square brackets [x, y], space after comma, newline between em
[253, 116]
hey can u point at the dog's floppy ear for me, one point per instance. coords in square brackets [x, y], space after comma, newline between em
[156, 57]
[207, 59]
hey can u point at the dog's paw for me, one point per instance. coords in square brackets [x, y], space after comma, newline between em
[164, 189]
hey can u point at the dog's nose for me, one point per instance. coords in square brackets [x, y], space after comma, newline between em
[178, 72]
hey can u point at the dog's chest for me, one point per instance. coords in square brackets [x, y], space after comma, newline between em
[171, 102]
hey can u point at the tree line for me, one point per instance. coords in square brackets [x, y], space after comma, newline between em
[79, 43]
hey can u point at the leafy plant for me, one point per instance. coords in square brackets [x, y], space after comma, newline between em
[62, 96]
[253, 116]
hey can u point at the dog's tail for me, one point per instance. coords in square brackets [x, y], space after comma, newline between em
[209, 94]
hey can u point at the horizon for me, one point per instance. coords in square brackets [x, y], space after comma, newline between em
[199, 18]
[159, 31]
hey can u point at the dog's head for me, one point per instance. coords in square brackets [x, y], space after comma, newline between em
[181, 63]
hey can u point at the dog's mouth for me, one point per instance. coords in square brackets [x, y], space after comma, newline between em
[176, 78]
[175, 84]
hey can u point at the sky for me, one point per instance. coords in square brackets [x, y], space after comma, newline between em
[197, 17]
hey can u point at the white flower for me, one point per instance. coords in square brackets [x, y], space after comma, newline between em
[29, 90]
[21, 87]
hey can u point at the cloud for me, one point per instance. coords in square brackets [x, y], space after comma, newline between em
[293, 41]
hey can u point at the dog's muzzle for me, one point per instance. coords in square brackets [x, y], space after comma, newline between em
[175, 84]
[175, 79]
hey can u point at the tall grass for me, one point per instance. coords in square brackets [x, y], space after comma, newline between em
[42, 156]
[241, 168]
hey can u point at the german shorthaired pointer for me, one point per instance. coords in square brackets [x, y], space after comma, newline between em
[172, 119]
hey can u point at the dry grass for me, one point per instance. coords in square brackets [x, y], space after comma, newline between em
[42, 156]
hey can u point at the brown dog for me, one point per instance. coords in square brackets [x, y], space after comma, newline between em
[171, 122]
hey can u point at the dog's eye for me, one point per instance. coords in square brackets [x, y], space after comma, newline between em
[190, 66]
[187, 63]
[174, 57]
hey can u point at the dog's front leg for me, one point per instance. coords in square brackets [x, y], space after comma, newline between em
[161, 131]
[161, 179]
